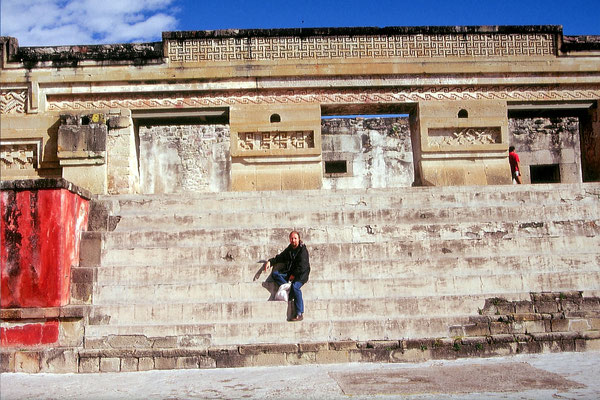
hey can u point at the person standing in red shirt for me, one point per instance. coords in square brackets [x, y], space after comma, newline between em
[515, 165]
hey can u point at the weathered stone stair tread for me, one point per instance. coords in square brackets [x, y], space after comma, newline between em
[370, 198]
[238, 311]
[402, 215]
[282, 331]
[322, 252]
[386, 264]
[476, 284]
[246, 272]
[354, 233]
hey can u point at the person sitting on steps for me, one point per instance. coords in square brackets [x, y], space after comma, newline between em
[296, 270]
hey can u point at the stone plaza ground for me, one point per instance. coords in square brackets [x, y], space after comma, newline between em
[527, 376]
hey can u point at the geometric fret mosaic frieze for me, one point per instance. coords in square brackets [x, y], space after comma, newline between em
[291, 140]
[12, 101]
[19, 155]
[361, 46]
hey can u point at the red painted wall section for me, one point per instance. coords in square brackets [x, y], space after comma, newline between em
[34, 334]
[40, 233]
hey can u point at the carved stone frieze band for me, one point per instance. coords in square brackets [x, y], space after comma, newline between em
[248, 141]
[321, 96]
[13, 101]
[361, 46]
[446, 137]
[20, 154]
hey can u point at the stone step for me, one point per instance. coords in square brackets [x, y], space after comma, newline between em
[274, 330]
[115, 293]
[320, 233]
[323, 253]
[361, 199]
[319, 309]
[358, 269]
[405, 215]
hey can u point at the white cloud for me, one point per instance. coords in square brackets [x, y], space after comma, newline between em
[62, 22]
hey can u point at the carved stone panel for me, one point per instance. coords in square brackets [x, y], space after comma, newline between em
[456, 137]
[248, 141]
[13, 101]
[20, 154]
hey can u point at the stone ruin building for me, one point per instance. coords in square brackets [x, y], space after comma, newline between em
[355, 121]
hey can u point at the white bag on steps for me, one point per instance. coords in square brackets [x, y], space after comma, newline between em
[283, 293]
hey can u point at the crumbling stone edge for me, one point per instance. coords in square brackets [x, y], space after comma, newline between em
[550, 322]
[69, 360]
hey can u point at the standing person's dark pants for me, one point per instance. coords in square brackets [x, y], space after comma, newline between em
[295, 292]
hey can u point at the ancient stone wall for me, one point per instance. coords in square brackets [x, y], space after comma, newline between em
[459, 84]
[184, 158]
[195, 158]
[590, 145]
[377, 152]
[548, 141]
[122, 169]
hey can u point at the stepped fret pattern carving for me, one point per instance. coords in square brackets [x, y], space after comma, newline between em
[12, 101]
[248, 141]
[361, 46]
[18, 155]
[443, 137]
[322, 96]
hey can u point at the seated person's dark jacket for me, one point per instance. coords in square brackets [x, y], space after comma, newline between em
[295, 262]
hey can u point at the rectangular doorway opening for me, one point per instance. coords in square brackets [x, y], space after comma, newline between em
[367, 146]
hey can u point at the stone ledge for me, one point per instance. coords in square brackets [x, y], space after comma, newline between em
[580, 43]
[72, 55]
[17, 314]
[254, 349]
[46, 183]
[64, 360]
[343, 31]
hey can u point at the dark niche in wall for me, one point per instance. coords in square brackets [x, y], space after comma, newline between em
[549, 173]
[336, 167]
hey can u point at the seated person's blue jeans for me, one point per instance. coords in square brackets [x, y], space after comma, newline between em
[295, 293]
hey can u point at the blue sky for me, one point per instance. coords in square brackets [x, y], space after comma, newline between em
[58, 22]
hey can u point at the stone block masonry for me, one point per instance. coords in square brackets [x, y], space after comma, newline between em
[548, 141]
[575, 327]
[578, 331]
[376, 152]
[122, 160]
[184, 158]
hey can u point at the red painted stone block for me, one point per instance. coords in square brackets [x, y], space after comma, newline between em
[30, 334]
[40, 231]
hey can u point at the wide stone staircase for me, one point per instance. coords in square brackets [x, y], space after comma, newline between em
[180, 275]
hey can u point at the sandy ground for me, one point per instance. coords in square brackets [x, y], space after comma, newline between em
[536, 376]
